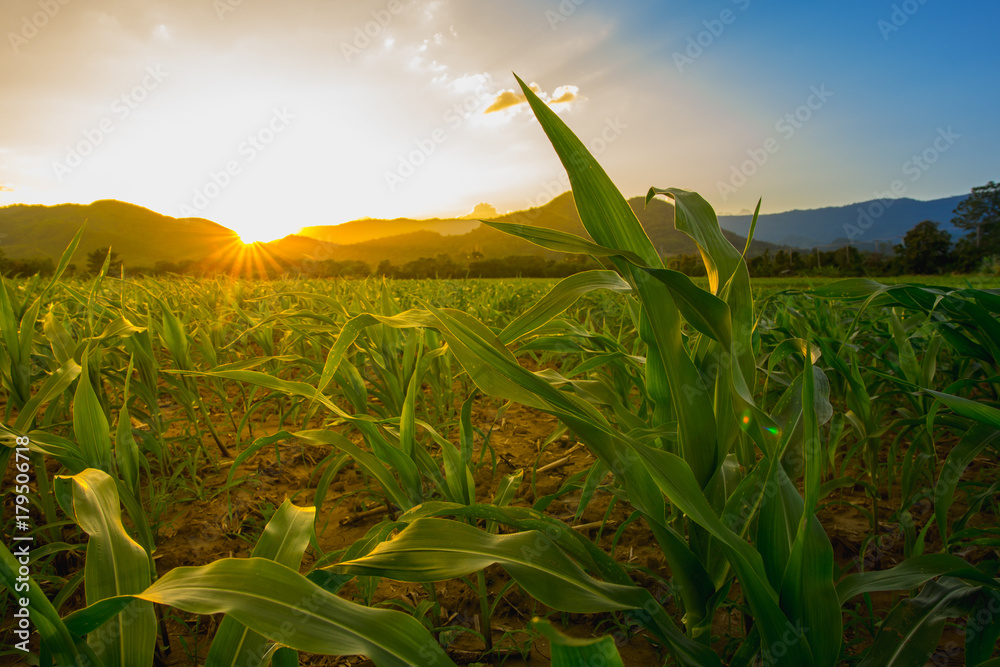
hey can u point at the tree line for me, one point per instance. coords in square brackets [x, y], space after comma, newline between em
[926, 249]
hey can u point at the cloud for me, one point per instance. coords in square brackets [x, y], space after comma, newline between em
[507, 99]
[565, 95]
[504, 100]
[6, 188]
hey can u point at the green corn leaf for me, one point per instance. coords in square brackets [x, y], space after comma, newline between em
[982, 629]
[116, 565]
[911, 573]
[252, 449]
[284, 541]
[570, 651]
[282, 605]
[437, 549]
[507, 488]
[907, 357]
[978, 411]
[174, 339]
[431, 550]
[675, 478]
[407, 425]
[353, 328]
[694, 216]
[606, 215]
[703, 310]
[8, 321]
[118, 327]
[959, 458]
[912, 630]
[54, 386]
[126, 449]
[552, 239]
[63, 645]
[64, 260]
[807, 588]
[90, 424]
[585, 552]
[62, 344]
[564, 294]
[368, 462]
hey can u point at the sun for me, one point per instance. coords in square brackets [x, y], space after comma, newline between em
[252, 229]
[252, 236]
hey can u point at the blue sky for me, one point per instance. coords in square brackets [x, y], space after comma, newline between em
[267, 116]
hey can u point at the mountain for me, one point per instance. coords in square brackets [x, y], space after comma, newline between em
[481, 211]
[143, 237]
[867, 224]
[426, 238]
[367, 229]
[140, 237]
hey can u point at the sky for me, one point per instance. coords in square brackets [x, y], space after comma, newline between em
[268, 116]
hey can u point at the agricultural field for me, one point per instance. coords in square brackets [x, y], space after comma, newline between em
[622, 467]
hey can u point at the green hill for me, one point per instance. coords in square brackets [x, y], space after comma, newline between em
[140, 237]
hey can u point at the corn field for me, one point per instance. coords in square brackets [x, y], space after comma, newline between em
[622, 467]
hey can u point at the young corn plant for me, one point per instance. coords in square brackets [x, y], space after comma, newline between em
[679, 466]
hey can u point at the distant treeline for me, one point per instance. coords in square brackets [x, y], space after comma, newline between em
[846, 261]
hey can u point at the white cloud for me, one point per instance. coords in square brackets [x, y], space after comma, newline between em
[511, 99]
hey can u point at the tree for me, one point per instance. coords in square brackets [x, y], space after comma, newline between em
[979, 215]
[95, 260]
[849, 260]
[926, 249]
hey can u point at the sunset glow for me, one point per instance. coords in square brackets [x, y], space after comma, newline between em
[266, 120]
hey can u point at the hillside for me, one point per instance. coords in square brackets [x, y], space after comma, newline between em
[368, 229]
[140, 237]
[833, 226]
[425, 238]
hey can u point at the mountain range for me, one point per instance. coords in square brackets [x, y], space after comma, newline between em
[142, 237]
[868, 225]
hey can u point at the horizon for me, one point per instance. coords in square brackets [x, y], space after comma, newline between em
[407, 109]
[298, 231]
